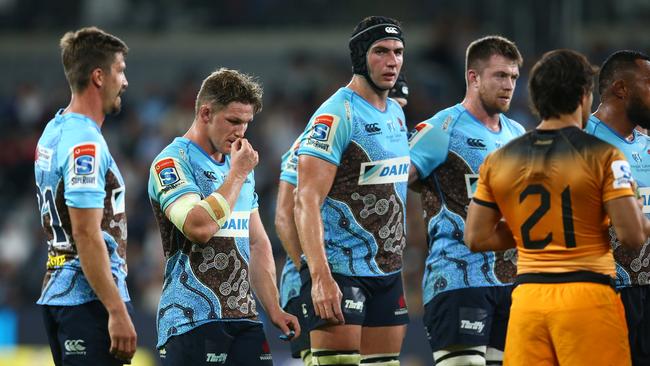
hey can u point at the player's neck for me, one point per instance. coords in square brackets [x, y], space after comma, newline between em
[88, 105]
[202, 140]
[565, 120]
[616, 118]
[475, 107]
[360, 85]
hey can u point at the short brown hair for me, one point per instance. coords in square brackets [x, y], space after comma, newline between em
[225, 86]
[558, 81]
[85, 50]
[483, 48]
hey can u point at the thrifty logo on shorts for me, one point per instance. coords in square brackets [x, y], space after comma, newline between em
[216, 358]
[469, 325]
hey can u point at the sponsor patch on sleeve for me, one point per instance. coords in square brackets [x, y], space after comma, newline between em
[84, 165]
[44, 158]
[322, 132]
[169, 175]
[622, 174]
[416, 134]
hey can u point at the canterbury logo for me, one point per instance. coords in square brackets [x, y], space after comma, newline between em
[372, 128]
[475, 143]
[392, 30]
[74, 345]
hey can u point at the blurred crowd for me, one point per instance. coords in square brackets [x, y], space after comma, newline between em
[152, 115]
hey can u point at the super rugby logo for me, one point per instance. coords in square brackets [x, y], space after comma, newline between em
[622, 174]
[323, 131]
[416, 134]
[166, 171]
[322, 127]
[385, 171]
[84, 159]
[83, 165]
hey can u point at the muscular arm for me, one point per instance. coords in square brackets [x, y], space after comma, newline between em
[316, 178]
[95, 264]
[631, 226]
[199, 226]
[285, 224]
[485, 231]
[262, 275]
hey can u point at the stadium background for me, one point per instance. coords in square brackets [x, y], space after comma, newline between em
[298, 50]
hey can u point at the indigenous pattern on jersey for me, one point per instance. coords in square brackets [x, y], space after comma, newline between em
[202, 283]
[364, 212]
[632, 266]
[290, 279]
[551, 187]
[74, 168]
[447, 151]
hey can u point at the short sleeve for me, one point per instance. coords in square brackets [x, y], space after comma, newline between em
[254, 198]
[289, 165]
[484, 195]
[617, 179]
[170, 178]
[328, 133]
[428, 147]
[84, 166]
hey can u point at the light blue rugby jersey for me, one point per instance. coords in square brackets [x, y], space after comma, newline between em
[364, 212]
[447, 151]
[632, 266]
[202, 283]
[74, 168]
[290, 279]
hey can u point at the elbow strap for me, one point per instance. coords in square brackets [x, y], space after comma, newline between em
[217, 207]
[181, 208]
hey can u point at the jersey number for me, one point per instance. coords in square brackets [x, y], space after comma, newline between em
[544, 206]
[46, 205]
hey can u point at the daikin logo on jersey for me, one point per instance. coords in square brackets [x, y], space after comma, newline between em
[385, 171]
[236, 226]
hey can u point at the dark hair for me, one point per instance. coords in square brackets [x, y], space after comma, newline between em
[483, 48]
[617, 62]
[558, 81]
[225, 86]
[85, 50]
[366, 33]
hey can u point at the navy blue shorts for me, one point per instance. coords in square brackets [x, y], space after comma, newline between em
[366, 301]
[78, 334]
[295, 307]
[637, 313]
[475, 316]
[234, 343]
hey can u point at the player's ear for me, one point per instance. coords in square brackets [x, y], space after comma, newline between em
[472, 77]
[204, 113]
[620, 89]
[97, 77]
